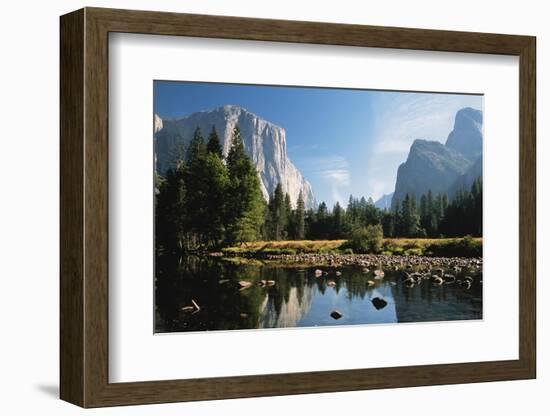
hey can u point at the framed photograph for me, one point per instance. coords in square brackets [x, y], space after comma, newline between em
[256, 207]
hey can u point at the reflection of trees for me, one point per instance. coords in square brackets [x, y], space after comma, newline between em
[214, 285]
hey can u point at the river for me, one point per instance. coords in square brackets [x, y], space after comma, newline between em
[200, 294]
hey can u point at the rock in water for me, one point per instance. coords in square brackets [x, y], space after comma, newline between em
[264, 142]
[244, 284]
[336, 314]
[379, 303]
[378, 274]
[438, 280]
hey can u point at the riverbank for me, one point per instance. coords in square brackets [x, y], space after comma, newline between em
[367, 261]
[429, 247]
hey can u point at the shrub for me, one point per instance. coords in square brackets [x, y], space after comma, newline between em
[277, 251]
[459, 247]
[367, 240]
[414, 252]
[234, 250]
[411, 244]
[398, 250]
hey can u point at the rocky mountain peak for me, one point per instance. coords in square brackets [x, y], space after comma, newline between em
[467, 134]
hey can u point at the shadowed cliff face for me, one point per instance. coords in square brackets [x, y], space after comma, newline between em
[264, 142]
[430, 165]
[467, 136]
[447, 167]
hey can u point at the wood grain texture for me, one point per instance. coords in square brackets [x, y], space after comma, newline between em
[71, 185]
[84, 207]
[527, 208]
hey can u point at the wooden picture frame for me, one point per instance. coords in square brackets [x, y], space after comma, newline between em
[84, 207]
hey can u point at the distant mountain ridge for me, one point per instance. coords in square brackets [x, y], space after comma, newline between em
[384, 202]
[264, 142]
[445, 168]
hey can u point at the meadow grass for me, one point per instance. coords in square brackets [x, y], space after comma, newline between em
[466, 246]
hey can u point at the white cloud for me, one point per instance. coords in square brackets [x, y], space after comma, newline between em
[333, 171]
[407, 117]
[338, 176]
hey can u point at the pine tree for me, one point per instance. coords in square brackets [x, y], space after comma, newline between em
[197, 148]
[352, 214]
[245, 204]
[424, 212]
[338, 221]
[477, 194]
[288, 226]
[277, 213]
[388, 223]
[410, 218]
[321, 223]
[371, 213]
[170, 211]
[463, 215]
[217, 185]
[444, 203]
[196, 180]
[214, 146]
[433, 220]
[300, 217]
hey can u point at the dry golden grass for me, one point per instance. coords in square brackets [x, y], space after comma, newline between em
[422, 242]
[393, 245]
[293, 244]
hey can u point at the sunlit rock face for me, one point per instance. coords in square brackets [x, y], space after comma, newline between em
[264, 142]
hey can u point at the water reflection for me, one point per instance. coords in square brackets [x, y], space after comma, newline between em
[198, 294]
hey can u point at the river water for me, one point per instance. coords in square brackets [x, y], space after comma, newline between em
[210, 294]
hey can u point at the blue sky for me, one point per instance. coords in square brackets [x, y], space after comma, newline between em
[343, 141]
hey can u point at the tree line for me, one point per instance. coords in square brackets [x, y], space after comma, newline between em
[430, 216]
[205, 201]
